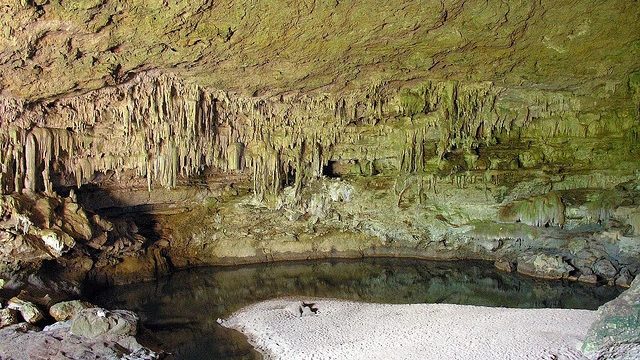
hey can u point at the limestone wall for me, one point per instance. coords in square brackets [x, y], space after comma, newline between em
[437, 169]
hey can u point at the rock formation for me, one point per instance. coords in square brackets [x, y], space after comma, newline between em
[616, 334]
[457, 129]
[136, 137]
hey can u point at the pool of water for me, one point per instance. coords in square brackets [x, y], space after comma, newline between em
[182, 309]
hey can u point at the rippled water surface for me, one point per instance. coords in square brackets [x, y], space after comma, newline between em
[182, 309]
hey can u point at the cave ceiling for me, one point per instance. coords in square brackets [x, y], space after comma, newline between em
[53, 48]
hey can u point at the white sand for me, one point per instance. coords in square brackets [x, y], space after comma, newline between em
[348, 330]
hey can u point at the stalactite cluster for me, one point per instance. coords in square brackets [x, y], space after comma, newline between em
[161, 129]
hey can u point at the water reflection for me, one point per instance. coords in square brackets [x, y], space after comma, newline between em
[182, 309]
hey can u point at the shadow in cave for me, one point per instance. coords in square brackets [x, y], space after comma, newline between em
[127, 250]
[99, 200]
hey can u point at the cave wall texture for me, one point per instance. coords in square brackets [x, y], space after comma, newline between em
[140, 135]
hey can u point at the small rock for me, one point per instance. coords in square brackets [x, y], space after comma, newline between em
[544, 266]
[588, 278]
[625, 278]
[104, 224]
[65, 310]
[8, 317]
[57, 242]
[587, 271]
[605, 269]
[504, 265]
[29, 311]
[98, 241]
[97, 322]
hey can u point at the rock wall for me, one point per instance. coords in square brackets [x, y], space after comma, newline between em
[436, 169]
[141, 136]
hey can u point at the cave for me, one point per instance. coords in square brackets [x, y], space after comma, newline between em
[140, 139]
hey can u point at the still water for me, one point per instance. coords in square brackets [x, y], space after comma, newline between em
[181, 310]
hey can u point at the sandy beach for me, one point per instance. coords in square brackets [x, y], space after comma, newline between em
[286, 329]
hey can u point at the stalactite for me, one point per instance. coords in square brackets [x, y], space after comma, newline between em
[546, 210]
[30, 163]
[173, 130]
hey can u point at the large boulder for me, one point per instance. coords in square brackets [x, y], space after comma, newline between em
[544, 266]
[75, 221]
[66, 310]
[616, 332]
[97, 322]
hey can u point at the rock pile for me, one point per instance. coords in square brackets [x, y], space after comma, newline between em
[80, 330]
[36, 228]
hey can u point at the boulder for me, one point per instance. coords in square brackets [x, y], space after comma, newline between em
[29, 311]
[544, 266]
[8, 317]
[97, 322]
[56, 241]
[43, 211]
[65, 310]
[76, 222]
[27, 248]
[504, 265]
[625, 278]
[42, 301]
[605, 269]
[616, 332]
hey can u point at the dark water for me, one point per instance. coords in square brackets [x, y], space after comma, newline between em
[182, 309]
